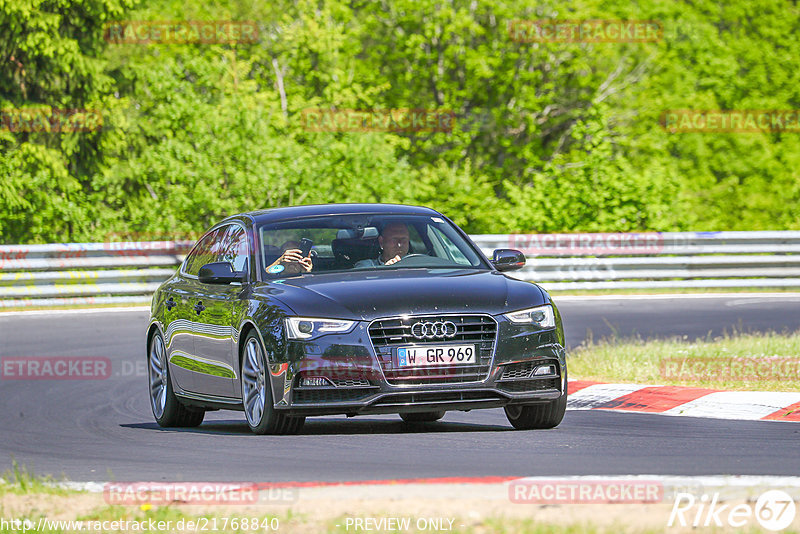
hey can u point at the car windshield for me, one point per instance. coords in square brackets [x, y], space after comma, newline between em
[364, 242]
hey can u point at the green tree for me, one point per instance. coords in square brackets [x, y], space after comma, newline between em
[53, 57]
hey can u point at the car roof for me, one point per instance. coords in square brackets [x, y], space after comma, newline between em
[316, 210]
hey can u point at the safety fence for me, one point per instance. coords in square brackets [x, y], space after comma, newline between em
[86, 273]
[129, 272]
[655, 260]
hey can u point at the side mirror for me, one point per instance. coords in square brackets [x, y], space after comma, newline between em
[220, 272]
[508, 259]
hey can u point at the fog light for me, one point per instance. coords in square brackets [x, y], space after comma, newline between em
[544, 370]
[314, 382]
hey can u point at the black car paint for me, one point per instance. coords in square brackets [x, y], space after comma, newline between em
[215, 319]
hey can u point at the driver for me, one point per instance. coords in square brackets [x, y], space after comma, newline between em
[393, 241]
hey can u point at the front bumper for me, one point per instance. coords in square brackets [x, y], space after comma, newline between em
[356, 382]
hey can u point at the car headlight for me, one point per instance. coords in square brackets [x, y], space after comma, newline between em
[540, 317]
[307, 328]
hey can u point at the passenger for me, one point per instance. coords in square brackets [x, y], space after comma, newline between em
[291, 261]
[394, 240]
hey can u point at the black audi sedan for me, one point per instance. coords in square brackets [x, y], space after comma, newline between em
[351, 309]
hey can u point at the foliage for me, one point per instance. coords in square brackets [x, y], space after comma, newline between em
[548, 137]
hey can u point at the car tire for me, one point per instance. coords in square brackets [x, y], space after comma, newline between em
[167, 409]
[538, 416]
[421, 417]
[262, 417]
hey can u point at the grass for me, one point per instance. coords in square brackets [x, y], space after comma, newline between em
[506, 525]
[747, 362]
[20, 481]
[58, 511]
[496, 525]
[40, 494]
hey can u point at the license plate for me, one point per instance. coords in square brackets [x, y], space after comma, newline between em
[431, 355]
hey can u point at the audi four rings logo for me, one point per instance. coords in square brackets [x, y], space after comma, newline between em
[430, 330]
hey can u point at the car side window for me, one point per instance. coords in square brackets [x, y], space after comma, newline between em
[447, 246]
[234, 248]
[206, 251]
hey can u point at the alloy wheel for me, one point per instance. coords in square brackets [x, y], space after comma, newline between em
[158, 376]
[254, 382]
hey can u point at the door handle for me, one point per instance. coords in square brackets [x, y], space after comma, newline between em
[170, 304]
[199, 307]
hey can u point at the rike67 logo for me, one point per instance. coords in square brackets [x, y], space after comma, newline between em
[774, 510]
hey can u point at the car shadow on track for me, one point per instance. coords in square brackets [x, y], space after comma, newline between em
[324, 427]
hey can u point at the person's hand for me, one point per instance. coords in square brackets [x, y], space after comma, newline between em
[292, 255]
[307, 264]
[393, 260]
[293, 259]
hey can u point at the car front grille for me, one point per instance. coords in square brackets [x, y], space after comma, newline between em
[389, 334]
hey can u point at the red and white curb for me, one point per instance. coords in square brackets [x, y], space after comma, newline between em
[686, 401]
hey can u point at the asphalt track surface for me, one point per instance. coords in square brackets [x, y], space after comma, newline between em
[97, 430]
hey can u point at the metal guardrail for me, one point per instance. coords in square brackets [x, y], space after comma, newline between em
[115, 273]
[655, 260]
[86, 273]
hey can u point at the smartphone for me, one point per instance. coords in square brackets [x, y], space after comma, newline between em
[305, 246]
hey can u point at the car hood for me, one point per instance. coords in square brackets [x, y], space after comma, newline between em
[367, 295]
